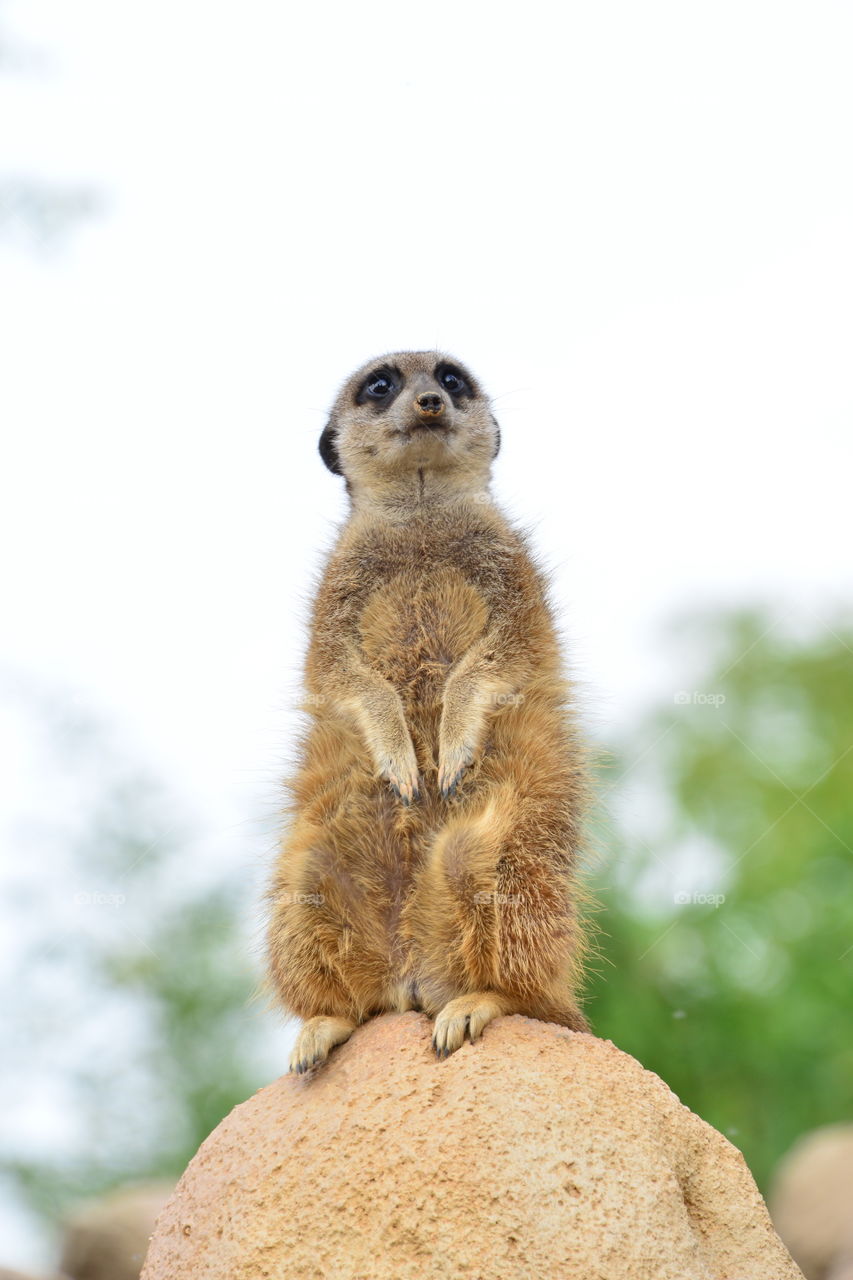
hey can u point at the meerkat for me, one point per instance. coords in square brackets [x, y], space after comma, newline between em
[435, 817]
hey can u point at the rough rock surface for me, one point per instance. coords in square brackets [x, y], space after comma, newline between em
[537, 1152]
[811, 1201]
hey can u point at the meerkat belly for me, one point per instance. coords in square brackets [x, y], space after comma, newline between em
[413, 629]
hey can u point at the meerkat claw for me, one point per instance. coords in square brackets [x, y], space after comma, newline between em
[316, 1040]
[451, 771]
[464, 1018]
[408, 792]
[449, 789]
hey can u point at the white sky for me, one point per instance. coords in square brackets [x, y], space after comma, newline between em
[633, 221]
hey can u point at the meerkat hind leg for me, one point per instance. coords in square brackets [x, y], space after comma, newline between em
[466, 1015]
[316, 1039]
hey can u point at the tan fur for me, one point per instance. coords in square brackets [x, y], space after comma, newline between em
[435, 818]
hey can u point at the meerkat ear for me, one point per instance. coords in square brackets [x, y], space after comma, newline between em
[329, 448]
[497, 438]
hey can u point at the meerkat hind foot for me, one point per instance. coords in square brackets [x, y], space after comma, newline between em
[316, 1039]
[466, 1015]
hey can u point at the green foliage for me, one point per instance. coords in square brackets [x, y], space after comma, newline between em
[742, 1005]
[132, 991]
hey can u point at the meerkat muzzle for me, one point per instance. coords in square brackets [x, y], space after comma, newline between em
[429, 406]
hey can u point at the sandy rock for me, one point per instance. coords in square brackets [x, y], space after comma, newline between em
[537, 1152]
[811, 1201]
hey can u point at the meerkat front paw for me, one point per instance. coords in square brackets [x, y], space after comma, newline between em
[316, 1040]
[466, 1015]
[452, 764]
[404, 778]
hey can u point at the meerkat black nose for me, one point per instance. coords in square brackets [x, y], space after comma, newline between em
[429, 405]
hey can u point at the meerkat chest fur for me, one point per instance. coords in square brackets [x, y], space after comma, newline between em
[424, 592]
[415, 626]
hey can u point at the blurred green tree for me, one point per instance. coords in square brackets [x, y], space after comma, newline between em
[727, 920]
[129, 980]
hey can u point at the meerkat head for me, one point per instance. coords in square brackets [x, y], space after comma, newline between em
[407, 416]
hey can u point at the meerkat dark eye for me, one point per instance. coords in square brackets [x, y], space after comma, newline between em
[379, 388]
[452, 380]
